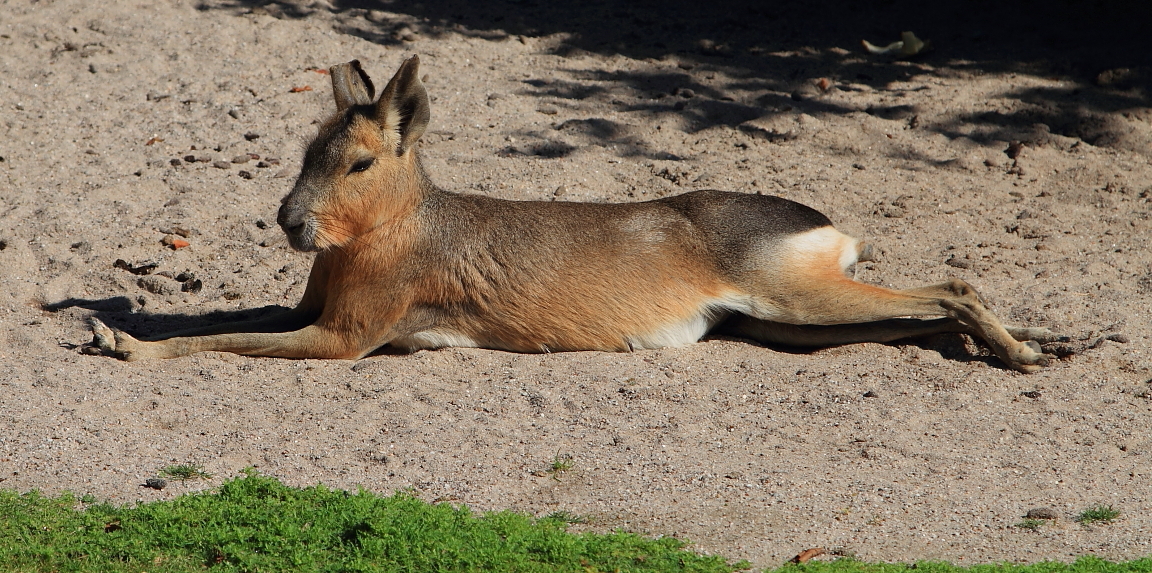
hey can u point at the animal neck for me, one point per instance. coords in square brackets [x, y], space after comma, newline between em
[392, 206]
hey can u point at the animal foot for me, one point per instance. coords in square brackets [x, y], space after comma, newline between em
[1040, 335]
[112, 342]
[1027, 357]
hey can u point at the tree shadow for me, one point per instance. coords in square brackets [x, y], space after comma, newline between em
[1100, 50]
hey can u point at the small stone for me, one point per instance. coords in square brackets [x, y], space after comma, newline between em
[1118, 337]
[283, 173]
[547, 110]
[190, 158]
[1015, 148]
[175, 162]
[241, 159]
[173, 242]
[959, 263]
[221, 165]
[192, 286]
[560, 191]
[156, 285]
[1033, 394]
[184, 276]
[143, 269]
[261, 224]
[871, 394]
[177, 230]
[235, 113]
[250, 136]
[245, 174]
[263, 164]
[687, 93]
[1042, 513]
[155, 483]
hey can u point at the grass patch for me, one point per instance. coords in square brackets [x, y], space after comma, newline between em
[1098, 514]
[1031, 524]
[255, 523]
[561, 463]
[184, 472]
[566, 517]
[1086, 564]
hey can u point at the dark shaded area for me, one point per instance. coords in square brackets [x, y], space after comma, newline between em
[114, 304]
[952, 347]
[120, 312]
[1103, 47]
[1089, 33]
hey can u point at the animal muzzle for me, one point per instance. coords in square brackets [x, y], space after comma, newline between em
[299, 226]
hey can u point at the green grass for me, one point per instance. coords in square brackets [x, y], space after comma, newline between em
[1031, 524]
[1086, 564]
[1098, 514]
[184, 472]
[560, 464]
[255, 523]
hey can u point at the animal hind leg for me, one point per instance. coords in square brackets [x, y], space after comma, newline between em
[771, 332]
[842, 301]
[882, 331]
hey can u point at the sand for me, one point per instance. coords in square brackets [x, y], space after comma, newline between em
[1014, 155]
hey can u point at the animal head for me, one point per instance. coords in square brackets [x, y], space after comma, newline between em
[362, 168]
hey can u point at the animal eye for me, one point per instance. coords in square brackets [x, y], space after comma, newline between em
[362, 165]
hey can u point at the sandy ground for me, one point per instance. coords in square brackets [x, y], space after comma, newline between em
[127, 122]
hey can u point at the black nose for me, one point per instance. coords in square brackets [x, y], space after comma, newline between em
[292, 228]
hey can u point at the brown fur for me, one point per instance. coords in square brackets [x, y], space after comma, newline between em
[400, 261]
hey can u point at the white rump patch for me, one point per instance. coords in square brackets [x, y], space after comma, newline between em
[826, 240]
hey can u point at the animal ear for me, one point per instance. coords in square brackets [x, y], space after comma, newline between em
[350, 85]
[403, 107]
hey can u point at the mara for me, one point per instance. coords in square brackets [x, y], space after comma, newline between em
[400, 261]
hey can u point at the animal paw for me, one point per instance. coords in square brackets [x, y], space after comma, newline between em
[112, 342]
[1039, 335]
[1027, 357]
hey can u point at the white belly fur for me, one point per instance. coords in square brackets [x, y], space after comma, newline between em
[435, 339]
[694, 328]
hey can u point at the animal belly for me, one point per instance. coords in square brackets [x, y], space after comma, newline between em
[675, 334]
[435, 338]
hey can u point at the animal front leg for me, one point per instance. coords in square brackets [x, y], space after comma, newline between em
[308, 342]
